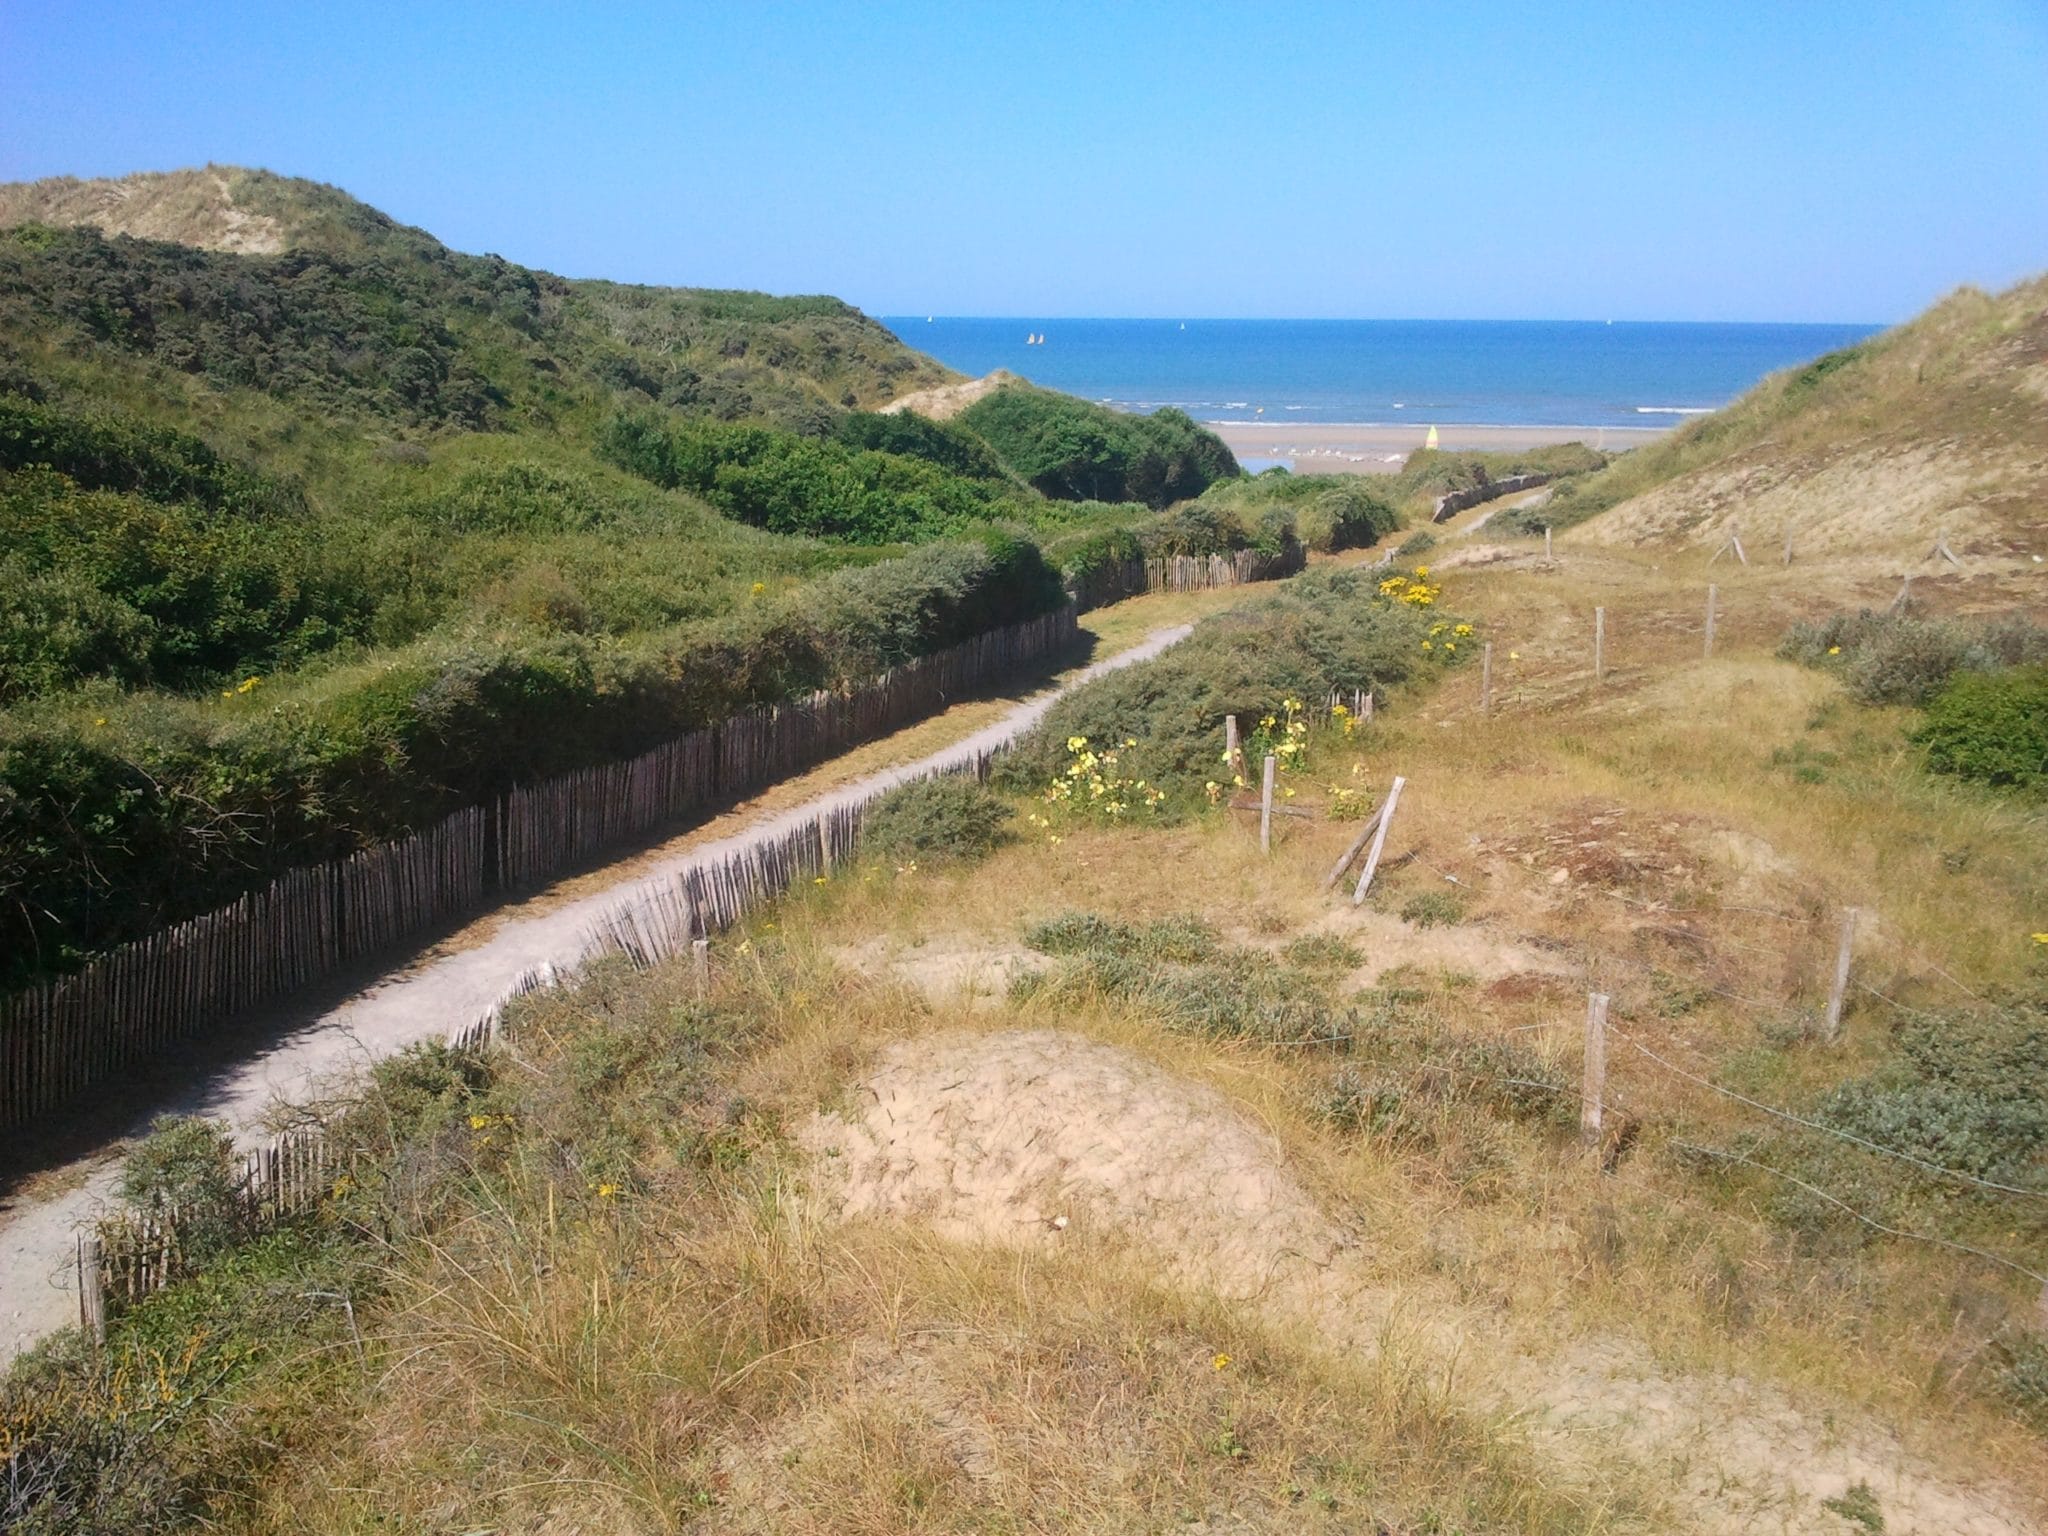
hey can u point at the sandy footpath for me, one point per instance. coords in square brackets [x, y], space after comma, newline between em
[417, 1001]
[1369, 448]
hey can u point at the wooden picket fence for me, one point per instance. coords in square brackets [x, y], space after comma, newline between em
[126, 1256]
[1184, 573]
[63, 1038]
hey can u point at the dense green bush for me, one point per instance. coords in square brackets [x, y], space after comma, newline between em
[790, 484]
[1072, 450]
[112, 824]
[1325, 512]
[1991, 727]
[1323, 630]
[172, 593]
[1902, 658]
[949, 818]
[947, 444]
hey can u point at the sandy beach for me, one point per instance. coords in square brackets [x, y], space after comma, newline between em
[1362, 448]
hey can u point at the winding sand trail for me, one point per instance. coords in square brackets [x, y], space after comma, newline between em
[422, 1000]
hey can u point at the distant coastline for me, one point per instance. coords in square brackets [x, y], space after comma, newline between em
[1375, 448]
[1566, 376]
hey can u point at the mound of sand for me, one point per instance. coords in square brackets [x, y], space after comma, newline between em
[945, 401]
[1025, 1136]
[189, 207]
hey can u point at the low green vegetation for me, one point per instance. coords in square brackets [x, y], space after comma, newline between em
[1991, 727]
[302, 551]
[1907, 658]
[1179, 971]
[1072, 450]
[1336, 628]
[946, 819]
[1983, 684]
[1324, 512]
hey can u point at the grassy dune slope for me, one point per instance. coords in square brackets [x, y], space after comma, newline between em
[1257, 1211]
[1938, 425]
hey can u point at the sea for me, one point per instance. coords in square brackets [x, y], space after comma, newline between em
[1541, 373]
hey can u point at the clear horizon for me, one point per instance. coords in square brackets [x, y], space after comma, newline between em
[1309, 160]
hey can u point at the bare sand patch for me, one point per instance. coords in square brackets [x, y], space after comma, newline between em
[1022, 1136]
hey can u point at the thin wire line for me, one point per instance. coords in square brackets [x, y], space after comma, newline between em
[1868, 1221]
[1828, 1130]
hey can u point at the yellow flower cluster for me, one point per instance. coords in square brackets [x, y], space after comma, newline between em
[246, 685]
[1414, 590]
[1284, 735]
[1091, 786]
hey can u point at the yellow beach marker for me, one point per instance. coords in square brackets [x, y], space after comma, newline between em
[1430, 441]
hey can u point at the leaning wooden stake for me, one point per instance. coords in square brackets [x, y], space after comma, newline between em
[1233, 753]
[1593, 1082]
[92, 1299]
[1839, 993]
[700, 963]
[1371, 825]
[1712, 592]
[1379, 841]
[1486, 678]
[1266, 805]
[1599, 644]
[1366, 713]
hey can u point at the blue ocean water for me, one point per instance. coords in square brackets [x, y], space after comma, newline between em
[1478, 372]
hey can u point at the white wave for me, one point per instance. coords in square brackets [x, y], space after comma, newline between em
[1674, 410]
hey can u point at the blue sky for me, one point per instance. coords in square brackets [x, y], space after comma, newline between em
[1813, 161]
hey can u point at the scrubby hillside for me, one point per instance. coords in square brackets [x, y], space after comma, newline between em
[1940, 425]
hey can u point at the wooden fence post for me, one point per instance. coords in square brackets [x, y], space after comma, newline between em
[1838, 994]
[1486, 678]
[1366, 712]
[1546, 541]
[824, 848]
[1788, 546]
[700, 962]
[1379, 841]
[92, 1298]
[1593, 1079]
[1357, 843]
[1266, 805]
[1712, 592]
[1233, 752]
[1599, 644]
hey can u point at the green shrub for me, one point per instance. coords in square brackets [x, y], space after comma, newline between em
[119, 823]
[1963, 1089]
[1991, 727]
[186, 1166]
[1328, 629]
[1072, 450]
[1902, 658]
[941, 819]
[1418, 543]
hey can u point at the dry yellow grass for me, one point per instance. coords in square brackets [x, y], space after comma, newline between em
[1939, 426]
[1505, 1338]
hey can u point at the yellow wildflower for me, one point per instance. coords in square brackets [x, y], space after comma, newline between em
[1834, 650]
[759, 587]
[1221, 1362]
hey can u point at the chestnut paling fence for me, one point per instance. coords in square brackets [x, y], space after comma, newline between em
[65, 1037]
[128, 1255]
[1185, 573]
